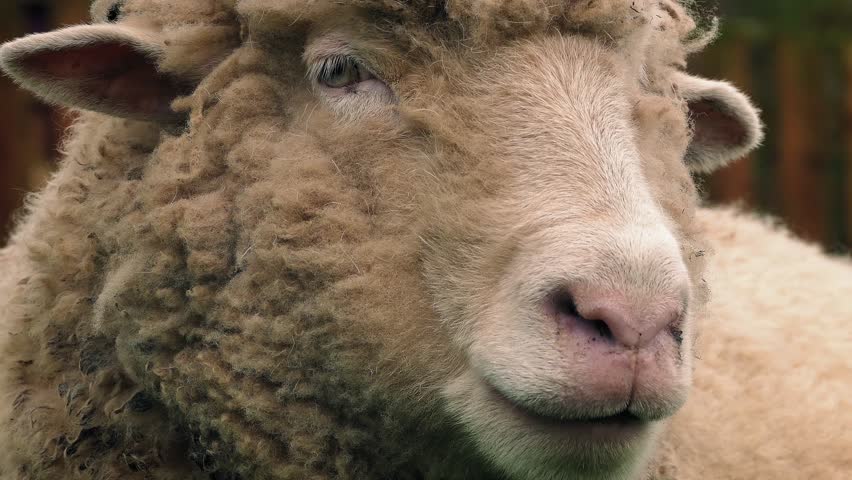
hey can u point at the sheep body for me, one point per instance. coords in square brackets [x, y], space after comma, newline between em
[769, 393]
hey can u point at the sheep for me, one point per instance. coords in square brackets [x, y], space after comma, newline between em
[421, 240]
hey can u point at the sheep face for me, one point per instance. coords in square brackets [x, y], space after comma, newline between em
[514, 217]
[548, 203]
[571, 282]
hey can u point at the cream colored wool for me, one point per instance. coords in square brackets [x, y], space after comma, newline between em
[281, 292]
[769, 399]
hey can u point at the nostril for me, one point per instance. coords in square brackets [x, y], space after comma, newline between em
[617, 318]
[602, 328]
[564, 304]
[566, 311]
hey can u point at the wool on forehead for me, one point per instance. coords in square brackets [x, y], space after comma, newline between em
[656, 35]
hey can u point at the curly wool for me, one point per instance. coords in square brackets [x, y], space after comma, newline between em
[160, 302]
[661, 32]
[69, 408]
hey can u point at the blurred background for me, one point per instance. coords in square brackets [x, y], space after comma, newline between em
[794, 57]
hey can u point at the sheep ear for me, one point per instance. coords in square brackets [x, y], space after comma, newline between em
[725, 124]
[106, 68]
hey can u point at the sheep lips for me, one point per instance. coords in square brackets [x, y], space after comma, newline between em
[620, 427]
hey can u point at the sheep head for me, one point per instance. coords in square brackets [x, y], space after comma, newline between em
[480, 215]
[419, 240]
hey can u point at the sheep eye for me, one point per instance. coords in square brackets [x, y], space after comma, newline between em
[114, 12]
[342, 71]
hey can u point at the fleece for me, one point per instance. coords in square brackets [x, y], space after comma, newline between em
[245, 298]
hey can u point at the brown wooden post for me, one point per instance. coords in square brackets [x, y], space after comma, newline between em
[71, 12]
[802, 176]
[848, 134]
[13, 171]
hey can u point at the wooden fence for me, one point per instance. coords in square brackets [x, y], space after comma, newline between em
[803, 173]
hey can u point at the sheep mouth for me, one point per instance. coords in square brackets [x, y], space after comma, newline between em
[623, 418]
[621, 426]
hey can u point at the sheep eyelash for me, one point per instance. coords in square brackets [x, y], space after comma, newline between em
[330, 66]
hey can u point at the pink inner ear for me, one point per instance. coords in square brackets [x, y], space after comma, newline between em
[113, 76]
[714, 126]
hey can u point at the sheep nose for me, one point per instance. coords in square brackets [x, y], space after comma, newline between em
[615, 317]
